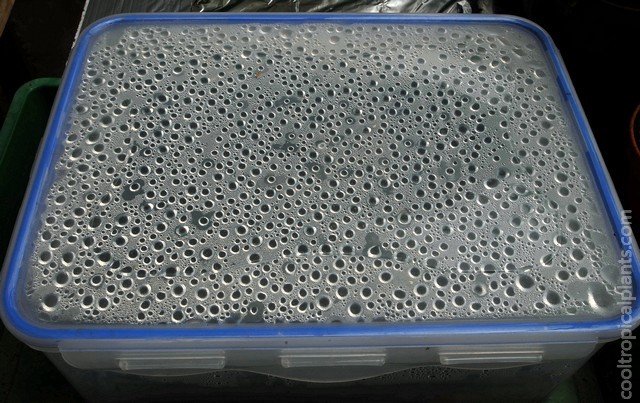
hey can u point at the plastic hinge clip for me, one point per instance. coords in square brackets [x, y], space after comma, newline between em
[176, 362]
[491, 357]
[332, 360]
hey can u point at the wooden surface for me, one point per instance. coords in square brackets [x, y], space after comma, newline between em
[5, 10]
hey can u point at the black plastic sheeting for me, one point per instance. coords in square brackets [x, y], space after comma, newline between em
[97, 9]
[363, 6]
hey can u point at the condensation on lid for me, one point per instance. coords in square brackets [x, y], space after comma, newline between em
[319, 172]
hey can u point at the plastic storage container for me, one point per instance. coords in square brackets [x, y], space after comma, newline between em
[320, 198]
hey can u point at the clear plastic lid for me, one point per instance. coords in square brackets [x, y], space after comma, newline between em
[208, 172]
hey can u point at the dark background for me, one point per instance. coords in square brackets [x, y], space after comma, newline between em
[598, 39]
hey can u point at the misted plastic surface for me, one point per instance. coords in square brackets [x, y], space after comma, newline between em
[252, 180]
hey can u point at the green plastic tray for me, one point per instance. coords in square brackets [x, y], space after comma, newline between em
[20, 136]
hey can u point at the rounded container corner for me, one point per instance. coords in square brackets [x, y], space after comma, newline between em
[32, 334]
[528, 25]
[100, 26]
